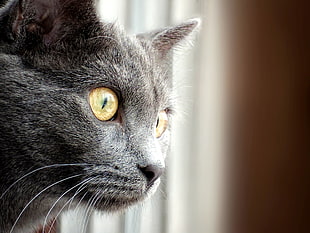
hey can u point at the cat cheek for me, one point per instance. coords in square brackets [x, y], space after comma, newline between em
[157, 157]
[164, 142]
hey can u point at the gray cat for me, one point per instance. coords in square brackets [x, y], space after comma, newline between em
[85, 111]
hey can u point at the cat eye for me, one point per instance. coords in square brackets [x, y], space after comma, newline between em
[161, 124]
[104, 103]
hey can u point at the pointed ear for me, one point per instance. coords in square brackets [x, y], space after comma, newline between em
[49, 19]
[166, 39]
[37, 16]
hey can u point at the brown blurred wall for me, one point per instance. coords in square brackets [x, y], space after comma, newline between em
[269, 100]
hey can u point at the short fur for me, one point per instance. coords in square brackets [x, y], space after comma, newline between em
[52, 53]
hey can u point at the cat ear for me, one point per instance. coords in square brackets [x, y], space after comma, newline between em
[36, 16]
[48, 18]
[166, 39]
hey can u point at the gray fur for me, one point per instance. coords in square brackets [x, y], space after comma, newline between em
[47, 68]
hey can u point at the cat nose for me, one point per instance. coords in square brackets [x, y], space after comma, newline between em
[152, 173]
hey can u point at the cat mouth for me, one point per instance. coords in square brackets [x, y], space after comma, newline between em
[113, 197]
[108, 202]
[107, 199]
[106, 191]
[123, 198]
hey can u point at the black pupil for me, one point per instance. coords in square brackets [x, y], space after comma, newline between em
[157, 122]
[105, 101]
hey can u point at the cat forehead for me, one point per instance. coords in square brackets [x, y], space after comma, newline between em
[127, 65]
[110, 58]
[131, 68]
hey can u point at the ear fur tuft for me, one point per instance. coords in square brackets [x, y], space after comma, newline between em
[166, 39]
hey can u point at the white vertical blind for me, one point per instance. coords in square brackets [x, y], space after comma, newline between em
[209, 128]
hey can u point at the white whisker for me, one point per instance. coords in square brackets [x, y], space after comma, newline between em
[55, 203]
[97, 200]
[19, 216]
[71, 199]
[84, 226]
[80, 189]
[88, 211]
[85, 213]
[77, 206]
[38, 169]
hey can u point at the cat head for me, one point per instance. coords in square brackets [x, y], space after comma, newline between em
[42, 30]
[85, 108]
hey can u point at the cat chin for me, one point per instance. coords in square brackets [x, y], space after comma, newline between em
[122, 202]
[110, 203]
[114, 205]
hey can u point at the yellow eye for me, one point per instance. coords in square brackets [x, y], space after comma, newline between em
[162, 123]
[104, 103]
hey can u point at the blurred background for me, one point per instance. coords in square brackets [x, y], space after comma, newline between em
[239, 159]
